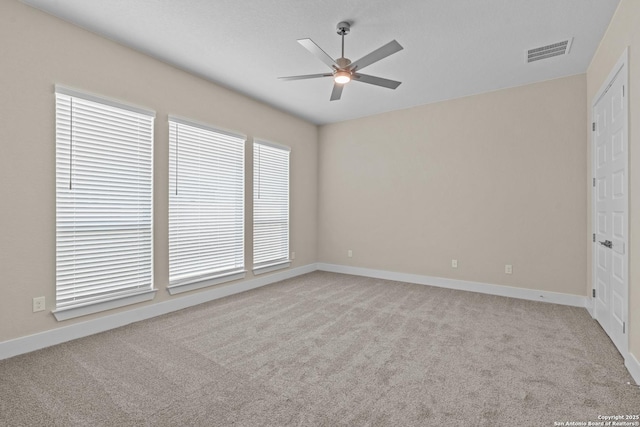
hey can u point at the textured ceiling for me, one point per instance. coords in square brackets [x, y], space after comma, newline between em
[452, 48]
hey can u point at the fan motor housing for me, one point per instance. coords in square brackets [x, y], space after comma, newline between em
[343, 63]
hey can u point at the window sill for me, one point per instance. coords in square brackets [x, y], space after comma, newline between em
[179, 288]
[71, 312]
[271, 267]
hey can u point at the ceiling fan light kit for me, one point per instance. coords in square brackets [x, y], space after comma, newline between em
[342, 77]
[343, 70]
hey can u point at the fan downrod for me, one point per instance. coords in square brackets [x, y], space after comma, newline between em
[343, 29]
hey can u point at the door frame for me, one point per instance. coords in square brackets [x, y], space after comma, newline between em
[621, 69]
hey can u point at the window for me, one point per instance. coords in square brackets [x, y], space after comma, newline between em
[103, 204]
[206, 206]
[270, 207]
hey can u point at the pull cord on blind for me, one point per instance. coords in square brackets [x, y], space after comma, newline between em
[270, 204]
[103, 200]
[206, 203]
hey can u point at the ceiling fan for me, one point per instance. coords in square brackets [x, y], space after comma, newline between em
[343, 70]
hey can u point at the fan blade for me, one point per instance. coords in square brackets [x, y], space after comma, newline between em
[317, 52]
[378, 81]
[375, 56]
[306, 76]
[336, 92]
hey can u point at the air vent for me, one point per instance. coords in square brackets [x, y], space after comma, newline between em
[548, 51]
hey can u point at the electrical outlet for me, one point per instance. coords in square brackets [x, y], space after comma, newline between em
[38, 304]
[293, 255]
[508, 269]
[349, 253]
[454, 263]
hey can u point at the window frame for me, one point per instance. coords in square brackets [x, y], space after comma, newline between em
[116, 298]
[269, 265]
[236, 272]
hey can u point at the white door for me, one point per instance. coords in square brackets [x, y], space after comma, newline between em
[610, 209]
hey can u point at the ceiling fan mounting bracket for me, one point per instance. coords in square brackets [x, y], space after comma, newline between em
[343, 28]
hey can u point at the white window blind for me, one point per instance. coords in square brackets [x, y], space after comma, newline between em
[103, 200]
[206, 203]
[270, 204]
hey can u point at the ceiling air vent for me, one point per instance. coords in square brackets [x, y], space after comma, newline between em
[548, 51]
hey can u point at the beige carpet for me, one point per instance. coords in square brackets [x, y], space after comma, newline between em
[329, 349]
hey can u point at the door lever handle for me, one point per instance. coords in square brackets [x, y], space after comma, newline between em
[606, 243]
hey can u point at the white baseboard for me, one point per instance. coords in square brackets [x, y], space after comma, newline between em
[78, 330]
[588, 304]
[463, 285]
[44, 339]
[633, 366]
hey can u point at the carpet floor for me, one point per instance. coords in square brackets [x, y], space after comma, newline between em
[329, 349]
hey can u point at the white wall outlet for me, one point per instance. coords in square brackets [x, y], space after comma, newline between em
[508, 269]
[454, 263]
[38, 304]
[293, 255]
[350, 253]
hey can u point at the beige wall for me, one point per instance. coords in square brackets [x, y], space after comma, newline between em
[39, 51]
[489, 180]
[624, 31]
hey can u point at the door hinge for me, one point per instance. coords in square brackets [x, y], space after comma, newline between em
[624, 324]
[594, 182]
[623, 91]
[594, 237]
[593, 126]
[593, 293]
